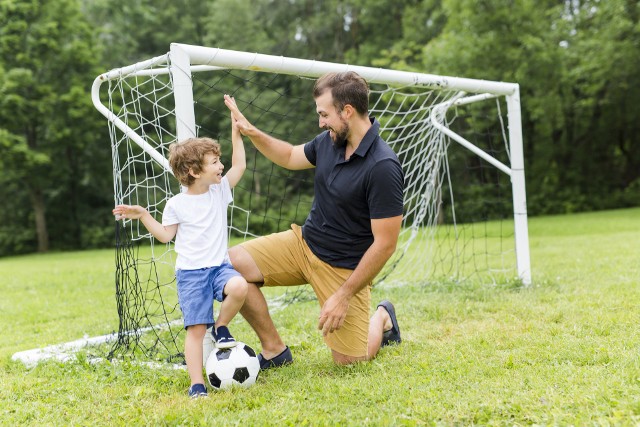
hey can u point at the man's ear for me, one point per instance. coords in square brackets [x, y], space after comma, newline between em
[348, 111]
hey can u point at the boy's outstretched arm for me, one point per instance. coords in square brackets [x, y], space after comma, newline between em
[238, 157]
[159, 231]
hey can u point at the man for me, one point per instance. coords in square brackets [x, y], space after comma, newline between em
[350, 233]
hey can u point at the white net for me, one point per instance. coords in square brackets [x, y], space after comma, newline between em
[458, 219]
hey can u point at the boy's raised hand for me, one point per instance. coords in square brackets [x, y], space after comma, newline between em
[238, 159]
[238, 120]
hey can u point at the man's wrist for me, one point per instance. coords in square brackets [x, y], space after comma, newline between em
[254, 132]
[344, 292]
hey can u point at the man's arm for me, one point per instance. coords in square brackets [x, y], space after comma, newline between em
[385, 238]
[238, 157]
[159, 231]
[279, 152]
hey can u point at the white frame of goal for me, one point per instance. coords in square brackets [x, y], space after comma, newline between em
[186, 59]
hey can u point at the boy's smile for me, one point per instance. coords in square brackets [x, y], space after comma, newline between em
[212, 169]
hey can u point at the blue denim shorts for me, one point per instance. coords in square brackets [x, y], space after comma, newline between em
[197, 289]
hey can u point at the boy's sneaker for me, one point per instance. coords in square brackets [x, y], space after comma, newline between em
[197, 390]
[223, 338]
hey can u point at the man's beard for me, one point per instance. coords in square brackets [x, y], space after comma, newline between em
[340, 138]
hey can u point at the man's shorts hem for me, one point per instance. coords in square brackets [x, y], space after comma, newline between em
[346, 352]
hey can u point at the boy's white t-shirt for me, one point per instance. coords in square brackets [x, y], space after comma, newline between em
[201, 239]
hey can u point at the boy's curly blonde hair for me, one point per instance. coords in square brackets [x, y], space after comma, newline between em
[189, 155]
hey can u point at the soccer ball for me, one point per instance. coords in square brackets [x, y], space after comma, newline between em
[227, 367]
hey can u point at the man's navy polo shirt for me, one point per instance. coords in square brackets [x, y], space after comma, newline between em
[348, 194]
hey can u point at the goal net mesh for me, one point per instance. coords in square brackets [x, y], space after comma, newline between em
[458, 217]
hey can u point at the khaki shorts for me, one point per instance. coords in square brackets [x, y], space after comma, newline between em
[284, 259]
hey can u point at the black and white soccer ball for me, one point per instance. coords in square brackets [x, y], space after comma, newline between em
[238, 365]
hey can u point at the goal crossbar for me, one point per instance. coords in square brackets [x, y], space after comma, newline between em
[206, 58]
[310, 68]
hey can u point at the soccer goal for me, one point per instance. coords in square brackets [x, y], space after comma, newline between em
[459, 141]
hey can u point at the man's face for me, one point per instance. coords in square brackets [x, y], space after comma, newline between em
[330, 119]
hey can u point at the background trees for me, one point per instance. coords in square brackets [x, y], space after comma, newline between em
[52, 168]
[576, 62]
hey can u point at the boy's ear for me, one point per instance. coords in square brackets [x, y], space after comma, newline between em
[193, 174]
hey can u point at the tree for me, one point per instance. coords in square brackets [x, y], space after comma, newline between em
[600, 134]
[135, 30]
[47, 124]
[574, 62]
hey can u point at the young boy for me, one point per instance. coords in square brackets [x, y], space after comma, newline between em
[197, 218]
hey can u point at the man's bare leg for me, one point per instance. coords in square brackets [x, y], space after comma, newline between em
[380, 323]
[255, 309]
[256, 313]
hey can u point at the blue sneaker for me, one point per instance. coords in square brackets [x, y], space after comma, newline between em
[197, 390]
[282, 359]
[392, 336]
[223, 337]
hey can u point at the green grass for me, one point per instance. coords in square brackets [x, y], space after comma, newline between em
[564, 351]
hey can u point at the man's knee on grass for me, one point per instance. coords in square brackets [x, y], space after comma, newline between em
[344, 359]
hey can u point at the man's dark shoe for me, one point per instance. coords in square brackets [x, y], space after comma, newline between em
[282, 359]
[392, 336]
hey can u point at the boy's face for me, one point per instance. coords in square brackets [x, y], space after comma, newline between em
[212, 169]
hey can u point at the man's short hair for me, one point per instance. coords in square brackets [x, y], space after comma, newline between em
[347, 87]
[189, 155]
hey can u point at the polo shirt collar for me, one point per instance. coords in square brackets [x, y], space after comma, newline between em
[368, 139]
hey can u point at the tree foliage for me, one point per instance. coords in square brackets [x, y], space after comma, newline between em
[48, 143]
[576, 62]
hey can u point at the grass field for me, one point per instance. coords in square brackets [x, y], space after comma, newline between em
[564, 351]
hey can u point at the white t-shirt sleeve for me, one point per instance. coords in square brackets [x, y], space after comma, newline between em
[169, 215]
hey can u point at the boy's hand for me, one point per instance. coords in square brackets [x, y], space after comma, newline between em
[129, 212]
[238, 158]
[238, 120]
[235, 132]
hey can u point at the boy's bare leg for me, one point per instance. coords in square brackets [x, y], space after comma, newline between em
[193, 352]
[235, 292]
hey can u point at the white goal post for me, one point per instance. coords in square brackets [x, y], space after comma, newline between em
[465, 203]
[187, 59]
[152, 104]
